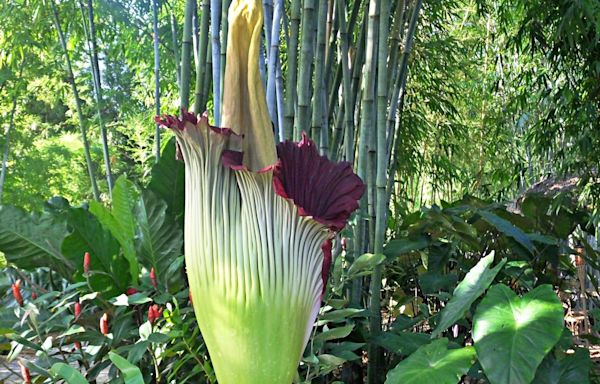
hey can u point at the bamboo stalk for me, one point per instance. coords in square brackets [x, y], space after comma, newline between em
[156, 78]
[279, 88]
[215, 17]
[347, 83]
[201, 69]
[268, 24]
[302, 121]
[99, 98]
[382, 203]
[319, 88]
[292, 68]
[186, 48]
[175, 50]
[82, 127]
[224, 32]
[273, 64]
[207, 82]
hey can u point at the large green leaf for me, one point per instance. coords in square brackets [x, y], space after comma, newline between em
[168, 180]
[120, 220]
[31, 240]
[401, 343]
[433, 363]
[512, 335]
[477, 280]
[158, 238]
[88, 235]
[573, 368]
[131, 373]
[69, 374]
[509, 229]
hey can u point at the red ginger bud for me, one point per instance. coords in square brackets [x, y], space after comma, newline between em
[33, 295]
[104, 324]
[131, 291]
[78, 344]
[154, 313]
[77, 309]
[153, 278]
[16, 290]
[86, 262]
[25, 373]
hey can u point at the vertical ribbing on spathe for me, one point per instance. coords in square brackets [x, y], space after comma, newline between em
[254, 264]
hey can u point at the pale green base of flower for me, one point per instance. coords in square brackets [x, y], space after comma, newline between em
[255, 343]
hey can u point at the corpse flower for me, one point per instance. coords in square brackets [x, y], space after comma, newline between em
[259, 220]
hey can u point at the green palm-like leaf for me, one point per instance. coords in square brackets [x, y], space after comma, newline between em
[433, 363]
[120, 220]
[473, 285]
[31, 241]
[168, 180]
[512, 335]
[158, 238]
[88, 235]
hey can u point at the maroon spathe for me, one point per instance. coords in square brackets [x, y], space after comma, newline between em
[327, 191]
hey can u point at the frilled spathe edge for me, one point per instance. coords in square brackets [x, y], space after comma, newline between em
[326, 191]
[191, 124]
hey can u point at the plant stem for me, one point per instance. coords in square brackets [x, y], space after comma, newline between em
[215, 17]
[175, 50]
[319, 61]
[98, 93]
[301, 122]
[156, 77]
[273, 65]
[292, 71]
[82, 127]
[186, 47]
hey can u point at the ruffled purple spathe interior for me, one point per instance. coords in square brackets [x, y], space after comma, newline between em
[327, 191]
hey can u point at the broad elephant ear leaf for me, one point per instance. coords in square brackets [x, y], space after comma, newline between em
[31, 240]
[572, 368]
[512, 335]
[433, 363]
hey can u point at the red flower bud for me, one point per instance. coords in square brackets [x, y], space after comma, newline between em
[104, 324]
[131, 291]
[78, 344]
[77, 309]
[25, 373]
[33, 295]
[153, 278]
[154, 313]
[86, 262]
[16, 290]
